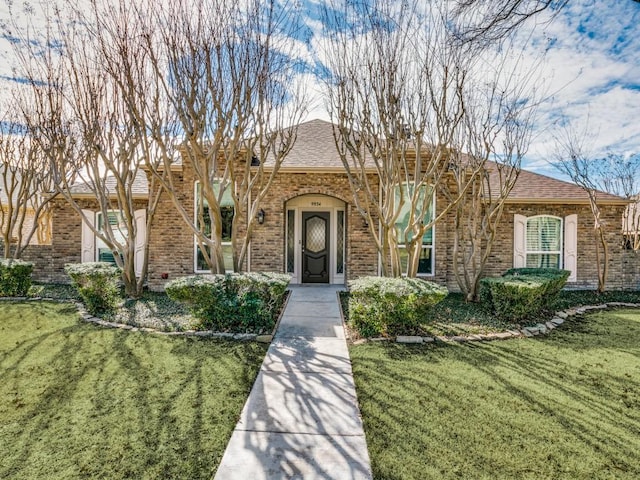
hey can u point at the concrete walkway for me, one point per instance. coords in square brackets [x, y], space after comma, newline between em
[301, 420]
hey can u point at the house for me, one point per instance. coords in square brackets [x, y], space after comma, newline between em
[312, 230]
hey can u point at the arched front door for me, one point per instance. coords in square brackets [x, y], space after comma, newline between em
[315, 247]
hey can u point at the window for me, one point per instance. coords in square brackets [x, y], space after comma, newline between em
[120, 233]
[226, 213]
[403, 234]
[544, 242]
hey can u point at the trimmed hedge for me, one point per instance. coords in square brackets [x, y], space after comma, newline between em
[233, 302]
[97, 284]
[15, 278]
[382, 305]
[522, 293]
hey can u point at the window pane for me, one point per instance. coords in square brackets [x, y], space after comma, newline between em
[402, 222]
[291, 247]
[340, 243]
[544, 234]
[119, 231]
[424, 263]
[227, 254]
[543, 260]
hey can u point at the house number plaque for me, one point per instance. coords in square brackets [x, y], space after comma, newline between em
[316, 204]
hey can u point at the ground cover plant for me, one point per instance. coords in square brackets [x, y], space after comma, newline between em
[80, 401]
[561, 406]
[454, 316]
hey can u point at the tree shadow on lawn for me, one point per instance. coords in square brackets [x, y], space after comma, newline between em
[101, 403]
[564, 405]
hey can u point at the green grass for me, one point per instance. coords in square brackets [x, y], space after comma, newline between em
[80, 401]
[563, 406]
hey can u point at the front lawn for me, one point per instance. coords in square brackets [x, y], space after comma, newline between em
[80, 401]
[563, 406]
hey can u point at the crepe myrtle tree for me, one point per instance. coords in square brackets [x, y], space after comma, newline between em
[228, 71]
[484, 22]
[77, 106]
[407, 102]
[498, 125]
[614, 174]
[621, 176]
[25, 186]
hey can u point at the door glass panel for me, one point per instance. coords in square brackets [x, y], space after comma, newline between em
[316, 228]
[291, 240]
[340, 243]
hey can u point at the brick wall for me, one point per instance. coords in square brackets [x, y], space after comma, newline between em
[172, 246]
[268, 244]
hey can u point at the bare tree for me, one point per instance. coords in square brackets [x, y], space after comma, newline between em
[499, 117]
[571, 157]
[620, 176]
[490, 21]
[227, 70]
[79, 114]
[409, 106]
[25, 189]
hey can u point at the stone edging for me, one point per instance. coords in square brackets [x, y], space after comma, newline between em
[539, 329]
[87, 317]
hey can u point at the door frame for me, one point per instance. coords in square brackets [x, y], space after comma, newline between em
[308, 203]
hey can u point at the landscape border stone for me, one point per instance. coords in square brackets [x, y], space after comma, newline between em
[543, 328]
[87, 317]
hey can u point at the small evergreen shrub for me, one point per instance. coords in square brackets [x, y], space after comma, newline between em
[97, 284]
[382, 305]
[522, 293]
[15, 277]
[234, 302]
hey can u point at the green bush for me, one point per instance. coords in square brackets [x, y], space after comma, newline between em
[522, 292]
[235, 302]
[97, 284]
[15, 277]
[381, 305]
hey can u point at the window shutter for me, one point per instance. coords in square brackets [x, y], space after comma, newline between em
[571, 246]
[141, 239]
[519, 241]
[88, 239]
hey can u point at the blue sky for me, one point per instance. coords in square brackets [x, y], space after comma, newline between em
[592, 69]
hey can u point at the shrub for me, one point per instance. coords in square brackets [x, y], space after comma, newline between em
[381, 305]
[97, 284]
[238, 302]
[15, 277]
[523, 292]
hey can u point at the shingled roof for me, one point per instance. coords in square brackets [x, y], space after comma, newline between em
[140, 187]
[536, 188]
[315, 150]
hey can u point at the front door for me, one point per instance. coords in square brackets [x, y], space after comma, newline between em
[315, 247]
